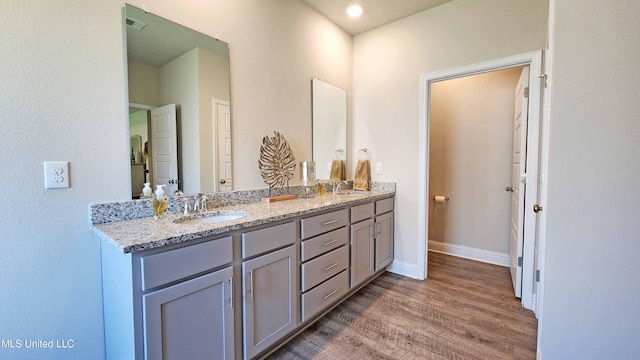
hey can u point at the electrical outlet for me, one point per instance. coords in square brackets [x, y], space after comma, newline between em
[56, 174]
[379, 168]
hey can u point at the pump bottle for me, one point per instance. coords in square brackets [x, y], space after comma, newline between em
[159, 203]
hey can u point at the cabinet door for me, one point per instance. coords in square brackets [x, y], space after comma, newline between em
[362, 252]
[384, 240]
[269, 299]
[191, 320]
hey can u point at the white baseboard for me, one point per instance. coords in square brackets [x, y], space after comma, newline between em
[404, 269]
[466, 252]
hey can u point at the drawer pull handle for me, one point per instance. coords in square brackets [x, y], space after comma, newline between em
[231, 291]
[330, 222]
[330, 242]
[330, 294]
[330, 267]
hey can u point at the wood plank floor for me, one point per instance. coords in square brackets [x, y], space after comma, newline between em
[465, 310]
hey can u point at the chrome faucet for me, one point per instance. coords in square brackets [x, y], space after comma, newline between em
[200, 203]
[336, 186]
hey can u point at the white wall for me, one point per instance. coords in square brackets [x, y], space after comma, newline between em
[470, 157]
[144, 83]
[213, 74]
[591, 292]
[275, 49]
[63, 98]
[387, 89]
[179, 86]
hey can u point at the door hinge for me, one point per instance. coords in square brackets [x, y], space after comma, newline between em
[520, 261]
[544, 79]
[526, 92]
[538, 275]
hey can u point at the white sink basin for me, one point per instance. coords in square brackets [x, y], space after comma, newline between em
[211, 217]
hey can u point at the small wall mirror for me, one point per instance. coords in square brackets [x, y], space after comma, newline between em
[329, 118]
[178, 82]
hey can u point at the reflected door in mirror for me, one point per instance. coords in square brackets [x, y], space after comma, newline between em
[222, 112]
[164, 148]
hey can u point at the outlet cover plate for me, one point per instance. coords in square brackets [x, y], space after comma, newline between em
[56, 174]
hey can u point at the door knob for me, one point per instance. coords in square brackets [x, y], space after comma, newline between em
[222, 181]
[537, 208]
[509, 188]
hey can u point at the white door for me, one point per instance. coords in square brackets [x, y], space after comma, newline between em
[223, 139]
[520, 118]
[164, 147]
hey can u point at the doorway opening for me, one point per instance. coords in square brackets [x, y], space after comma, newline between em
[534, 61]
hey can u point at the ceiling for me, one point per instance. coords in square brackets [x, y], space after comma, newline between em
[376, 12]
[162, 41]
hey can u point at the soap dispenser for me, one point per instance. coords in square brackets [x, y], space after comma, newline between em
[159, 203]
[146, 191]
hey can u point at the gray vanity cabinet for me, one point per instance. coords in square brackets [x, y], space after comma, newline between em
[362, 244]
[192, 319]
[384, 233]
[269, 288]
[325, 260]
[178, 301]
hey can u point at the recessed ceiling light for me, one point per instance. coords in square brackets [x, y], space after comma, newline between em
[354, 11]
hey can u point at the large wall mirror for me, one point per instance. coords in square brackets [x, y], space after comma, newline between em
[329, 111]
[178, 81]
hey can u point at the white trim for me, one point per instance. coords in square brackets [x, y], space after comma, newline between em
[466, 252]
[423, 177]
[544, 167]
[404, 269]
[531, 189]
[534, 60]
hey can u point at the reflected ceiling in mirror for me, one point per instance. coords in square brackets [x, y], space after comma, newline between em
[172, 64]
[329, 116]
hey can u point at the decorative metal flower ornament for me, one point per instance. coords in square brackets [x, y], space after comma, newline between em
[277, 163]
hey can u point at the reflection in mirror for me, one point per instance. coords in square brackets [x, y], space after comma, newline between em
[178, 82]
[329, 104]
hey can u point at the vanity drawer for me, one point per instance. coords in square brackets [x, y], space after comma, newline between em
[267, 239]
[384, 205]
[318, 270]
[361, 212]
[163, 268]
[322, 223]
[324, 295]
[323, 243]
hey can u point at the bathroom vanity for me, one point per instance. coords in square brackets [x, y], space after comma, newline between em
[239, 288]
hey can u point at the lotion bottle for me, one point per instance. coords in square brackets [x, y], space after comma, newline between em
[159, 203]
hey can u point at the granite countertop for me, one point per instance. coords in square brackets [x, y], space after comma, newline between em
[147, 233]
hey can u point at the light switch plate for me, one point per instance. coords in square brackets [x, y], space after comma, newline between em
[56, 174]
[379, 168]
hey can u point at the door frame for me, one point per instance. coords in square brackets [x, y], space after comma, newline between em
[534, 61]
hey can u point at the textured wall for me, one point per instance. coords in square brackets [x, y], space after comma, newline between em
[63, 98]
[387, 88]
[591, 292]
